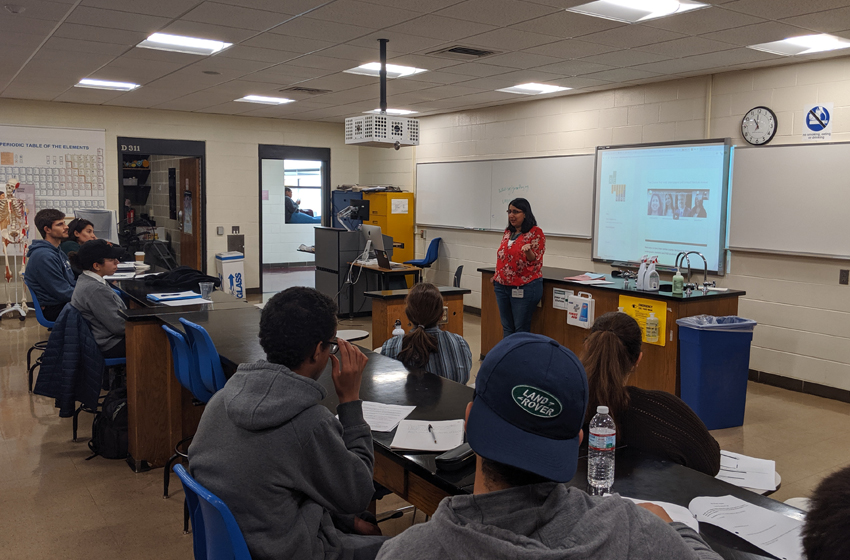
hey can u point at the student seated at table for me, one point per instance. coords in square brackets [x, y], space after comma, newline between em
[427, 346]
[653, 421]
[48, 272]
[79, 231]
[95, 299]
[293, 475]
[825, 535]
[518, 509]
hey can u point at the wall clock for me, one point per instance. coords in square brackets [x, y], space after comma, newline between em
[759, 126]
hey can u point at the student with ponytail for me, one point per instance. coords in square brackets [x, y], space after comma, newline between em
[653, 421]
[426, 346]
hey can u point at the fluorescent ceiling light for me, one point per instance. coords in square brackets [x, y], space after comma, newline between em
[105, 84]
[264, 100]
[177, 43]
[398, 112]
[533, 89]
[633, 11]
[393, 70]
[806, 44]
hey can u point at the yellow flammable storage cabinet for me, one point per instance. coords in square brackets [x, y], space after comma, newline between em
[393, 211]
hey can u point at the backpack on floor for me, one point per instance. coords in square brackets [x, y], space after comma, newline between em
[109, 428]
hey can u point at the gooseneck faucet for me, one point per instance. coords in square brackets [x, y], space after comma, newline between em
[705, 283]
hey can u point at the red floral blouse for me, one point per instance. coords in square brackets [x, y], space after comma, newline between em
[512, 267]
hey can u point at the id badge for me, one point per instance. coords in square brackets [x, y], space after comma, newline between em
[517, 293]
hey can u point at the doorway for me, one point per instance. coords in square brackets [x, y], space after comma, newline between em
[162, 188]
[294, 197]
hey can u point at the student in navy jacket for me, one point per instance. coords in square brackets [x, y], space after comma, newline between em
[48, 272]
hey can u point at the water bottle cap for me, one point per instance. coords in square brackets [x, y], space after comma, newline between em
[602, 409]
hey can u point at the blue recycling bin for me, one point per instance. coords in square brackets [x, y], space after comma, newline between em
[714, 360]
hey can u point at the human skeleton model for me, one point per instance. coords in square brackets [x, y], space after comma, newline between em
[13, 231]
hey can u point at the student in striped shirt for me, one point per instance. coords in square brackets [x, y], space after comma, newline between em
[426, 346]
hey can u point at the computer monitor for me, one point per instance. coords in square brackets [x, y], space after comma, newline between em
[373, 234]
[104, 222]
[362, 209]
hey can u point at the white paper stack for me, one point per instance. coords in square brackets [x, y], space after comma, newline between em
[415, 435]
[747, 472]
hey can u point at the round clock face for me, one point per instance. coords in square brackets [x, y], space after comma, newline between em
[759, 126]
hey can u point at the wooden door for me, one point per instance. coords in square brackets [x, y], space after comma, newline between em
[189, 198]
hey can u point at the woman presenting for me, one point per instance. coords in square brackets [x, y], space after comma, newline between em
[518, 281]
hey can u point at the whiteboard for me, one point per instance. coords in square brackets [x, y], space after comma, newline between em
[791, 199]
[476, 194]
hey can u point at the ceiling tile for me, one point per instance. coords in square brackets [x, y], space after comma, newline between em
[571, 48]
[511, 79]
[161, 56]
[476, 69]
[235, 16]
[209, 31]
[574, 68]
[144, 97]
[705, 20]
[86, 95]
[116, 20]
[197, 101]
[829, 21]
[522, 59]
[25, 25]
[579, 82]
[567, 25]
[80, 46]
[289, 6]
[438, 77]
[340, 81]
[628, 57]
[754, 34]
[38, 92]
[778, 9]
[241, 88]
[242, 52]
[443, 92]
[308, 28]
[509, 39]
[399, 43]
[40, 9]
[162, 8]
[496, 12]
[286, 43]
[322, 62]
[706, 61]
[362, 14]
[285, 74]
[134, 70]
[622, 75]
[100, 34]
[20, 40]
[222, 64]
[440, 27]
[230, 108]
[359, 55]
[428, 62]
[415, 5]
[688, 46]
[631, 36]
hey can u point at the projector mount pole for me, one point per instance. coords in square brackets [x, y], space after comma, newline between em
[383, 75]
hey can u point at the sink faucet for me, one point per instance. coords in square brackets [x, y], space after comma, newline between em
[705, 283]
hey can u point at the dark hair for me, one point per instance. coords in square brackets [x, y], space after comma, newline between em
[293, 322]
[529, 222]
[825, 534]
[611, 351]
[506, 475]
[82, 264]
[45, 219]
[424, 308]
[76, 226]
[285, 189]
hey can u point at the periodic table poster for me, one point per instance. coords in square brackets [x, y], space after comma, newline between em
[60, 168]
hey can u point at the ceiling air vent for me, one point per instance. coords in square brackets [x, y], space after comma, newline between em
[459, 52]
[308, 91]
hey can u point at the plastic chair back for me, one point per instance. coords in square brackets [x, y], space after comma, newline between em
[458, 273]
[430, 255]
[39, 314]
[185, 368]
[215, 533]
[206, 356]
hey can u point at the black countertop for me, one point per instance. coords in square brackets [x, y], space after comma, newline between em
[557, 275]
[137, 291]
[401, 294]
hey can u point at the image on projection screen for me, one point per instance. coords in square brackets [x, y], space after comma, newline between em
[661, 200]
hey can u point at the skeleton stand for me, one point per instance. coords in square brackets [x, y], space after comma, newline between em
[22, 307]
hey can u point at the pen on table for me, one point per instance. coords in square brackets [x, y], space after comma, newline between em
[431, 429]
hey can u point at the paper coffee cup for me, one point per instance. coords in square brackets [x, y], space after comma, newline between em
[140, 256]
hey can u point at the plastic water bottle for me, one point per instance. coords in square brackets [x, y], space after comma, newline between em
[602, 442]
[397, 330]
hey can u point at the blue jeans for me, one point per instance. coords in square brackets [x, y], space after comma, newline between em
[516, 313]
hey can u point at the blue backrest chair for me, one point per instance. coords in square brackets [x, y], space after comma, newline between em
[430, 256]
[41, 344]
[185, 366]
[215, 533]
[208, 360]
[39, 314]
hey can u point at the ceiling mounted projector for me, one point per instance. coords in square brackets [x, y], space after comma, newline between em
[382, 130]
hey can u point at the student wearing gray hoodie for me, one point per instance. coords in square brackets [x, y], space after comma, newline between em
[524, 424]
[293, 475]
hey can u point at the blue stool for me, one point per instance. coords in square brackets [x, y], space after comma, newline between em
[215, 533]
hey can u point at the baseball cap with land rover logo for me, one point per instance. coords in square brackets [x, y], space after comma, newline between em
[529, 404]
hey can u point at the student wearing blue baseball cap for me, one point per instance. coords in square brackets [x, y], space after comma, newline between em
[524, 423]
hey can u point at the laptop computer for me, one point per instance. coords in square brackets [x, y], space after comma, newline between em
[384, 261]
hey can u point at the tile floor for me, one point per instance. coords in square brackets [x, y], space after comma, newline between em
[55, 504]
